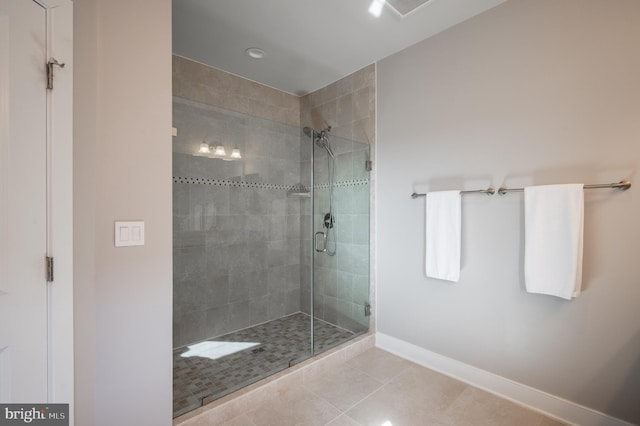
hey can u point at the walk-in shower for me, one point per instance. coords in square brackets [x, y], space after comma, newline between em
[271, 248]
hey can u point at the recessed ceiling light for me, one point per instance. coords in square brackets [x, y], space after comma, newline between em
[376, 7]
[255, 53]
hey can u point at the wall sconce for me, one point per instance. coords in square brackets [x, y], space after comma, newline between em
[235, 153]
[204, 148]
[218, 151]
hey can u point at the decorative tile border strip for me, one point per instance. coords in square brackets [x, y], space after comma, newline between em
[353, 182]
[237, 183]
[261, 185]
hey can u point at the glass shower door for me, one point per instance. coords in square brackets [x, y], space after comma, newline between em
[340, 204]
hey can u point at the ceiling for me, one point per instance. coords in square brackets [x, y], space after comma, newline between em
[308, 43]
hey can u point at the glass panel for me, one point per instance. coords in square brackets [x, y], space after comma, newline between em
[341, 240]
[241, 252]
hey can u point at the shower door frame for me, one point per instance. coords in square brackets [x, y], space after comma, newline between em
[312, 204]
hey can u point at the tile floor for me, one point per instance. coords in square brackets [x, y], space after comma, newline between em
[380, 389]
[277, 343]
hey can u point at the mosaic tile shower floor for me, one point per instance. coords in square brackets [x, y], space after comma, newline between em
[276, 342]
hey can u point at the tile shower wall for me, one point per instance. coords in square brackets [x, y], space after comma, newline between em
[211, 86]
[236, 231]
[348, 106]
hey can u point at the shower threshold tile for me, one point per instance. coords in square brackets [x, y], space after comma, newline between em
[211, 369]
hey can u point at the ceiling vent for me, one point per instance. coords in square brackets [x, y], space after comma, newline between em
[405, 7]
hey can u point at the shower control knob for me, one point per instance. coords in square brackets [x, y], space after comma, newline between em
[329, 220]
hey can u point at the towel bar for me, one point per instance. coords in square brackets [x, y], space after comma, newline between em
[488, 191]
[622, 185]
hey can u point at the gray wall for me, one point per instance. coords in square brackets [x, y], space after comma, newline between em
[531, 92]
[122, 164]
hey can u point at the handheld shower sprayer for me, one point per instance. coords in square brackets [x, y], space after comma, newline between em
[321, 139]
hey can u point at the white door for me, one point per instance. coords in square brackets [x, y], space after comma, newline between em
[23, 201]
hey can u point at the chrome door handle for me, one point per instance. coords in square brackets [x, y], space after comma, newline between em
[324, 242]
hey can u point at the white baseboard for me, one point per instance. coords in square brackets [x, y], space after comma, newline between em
[535, 399]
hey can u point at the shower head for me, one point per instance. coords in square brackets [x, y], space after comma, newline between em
[323, 142]
[320, 138]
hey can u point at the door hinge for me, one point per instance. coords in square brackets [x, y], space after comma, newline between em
[367, 309]
[50, 65]
[49, 269]
[368, 165]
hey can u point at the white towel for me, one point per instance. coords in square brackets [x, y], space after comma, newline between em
[443, 226]
[554, 222]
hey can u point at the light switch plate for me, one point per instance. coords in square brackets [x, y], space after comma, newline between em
[129, 233]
